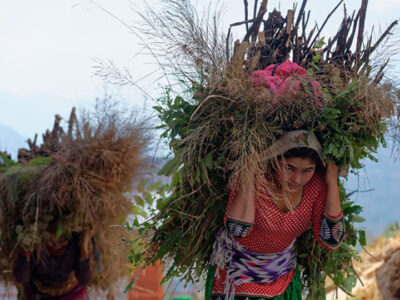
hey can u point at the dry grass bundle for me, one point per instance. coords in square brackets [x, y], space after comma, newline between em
[77, 177]
[226, 116]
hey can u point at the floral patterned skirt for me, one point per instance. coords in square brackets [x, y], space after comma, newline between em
[293, 291]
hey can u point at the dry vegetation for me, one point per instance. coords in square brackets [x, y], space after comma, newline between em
[372, 258]
[78, 177]
[217, 118]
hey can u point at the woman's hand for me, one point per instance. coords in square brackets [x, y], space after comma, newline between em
[85, 240]
[331, 174]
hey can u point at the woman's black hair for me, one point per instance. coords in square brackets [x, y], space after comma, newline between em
[304, 152]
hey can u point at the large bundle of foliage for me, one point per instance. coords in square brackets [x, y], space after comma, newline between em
[231, 110]
[79, 177]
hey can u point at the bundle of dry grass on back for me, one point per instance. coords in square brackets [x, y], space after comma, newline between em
[78, 177]
[233, 107]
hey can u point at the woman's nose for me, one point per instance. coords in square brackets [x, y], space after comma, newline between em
[296, 178]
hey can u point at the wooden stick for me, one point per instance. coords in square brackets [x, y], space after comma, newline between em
[241, 23]
[363, 14]
[289, 24]
[323, 24]
[306, 42]
[227, 44]
[343, 31]
[289, 21]
[256, 24]
[261, 37]
[308, 18]
[35, 140]
[387, 31]
[71, 121]
[255, 9]
[279, 32]
[301, 12]
[246, 13]
[330, 43]
[366, 53]
[263, 10]
[303, 27]
[351, 38]
[380, 73]
[30, 144]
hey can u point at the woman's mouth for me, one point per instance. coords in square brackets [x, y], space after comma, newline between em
[293, 186]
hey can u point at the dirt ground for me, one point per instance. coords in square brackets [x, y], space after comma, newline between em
[379, 261]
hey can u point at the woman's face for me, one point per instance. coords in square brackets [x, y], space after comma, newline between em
[295, 174]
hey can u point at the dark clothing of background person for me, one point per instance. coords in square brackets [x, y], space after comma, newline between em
[53, 273]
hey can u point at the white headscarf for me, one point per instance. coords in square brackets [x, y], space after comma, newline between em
[294, 139]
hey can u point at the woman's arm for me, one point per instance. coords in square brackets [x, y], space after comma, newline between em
[84, 269]
[327, 217]
[240, 212]
[242, 206]
[332, 204]
[22, 268]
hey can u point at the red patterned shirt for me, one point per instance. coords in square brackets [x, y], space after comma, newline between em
[274, 230]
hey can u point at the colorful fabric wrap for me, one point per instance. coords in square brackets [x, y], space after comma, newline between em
[245, 266]
[293, 291]
[77, 292]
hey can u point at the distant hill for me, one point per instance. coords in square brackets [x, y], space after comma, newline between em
[382, 203]
[11, 140]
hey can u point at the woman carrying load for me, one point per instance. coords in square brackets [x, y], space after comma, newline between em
[254, 255]
[62, 273]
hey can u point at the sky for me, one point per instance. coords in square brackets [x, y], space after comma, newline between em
[49, 51]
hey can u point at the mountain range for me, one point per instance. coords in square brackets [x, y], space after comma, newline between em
[11, 140]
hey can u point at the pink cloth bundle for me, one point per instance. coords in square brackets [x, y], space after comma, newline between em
[285, 79]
